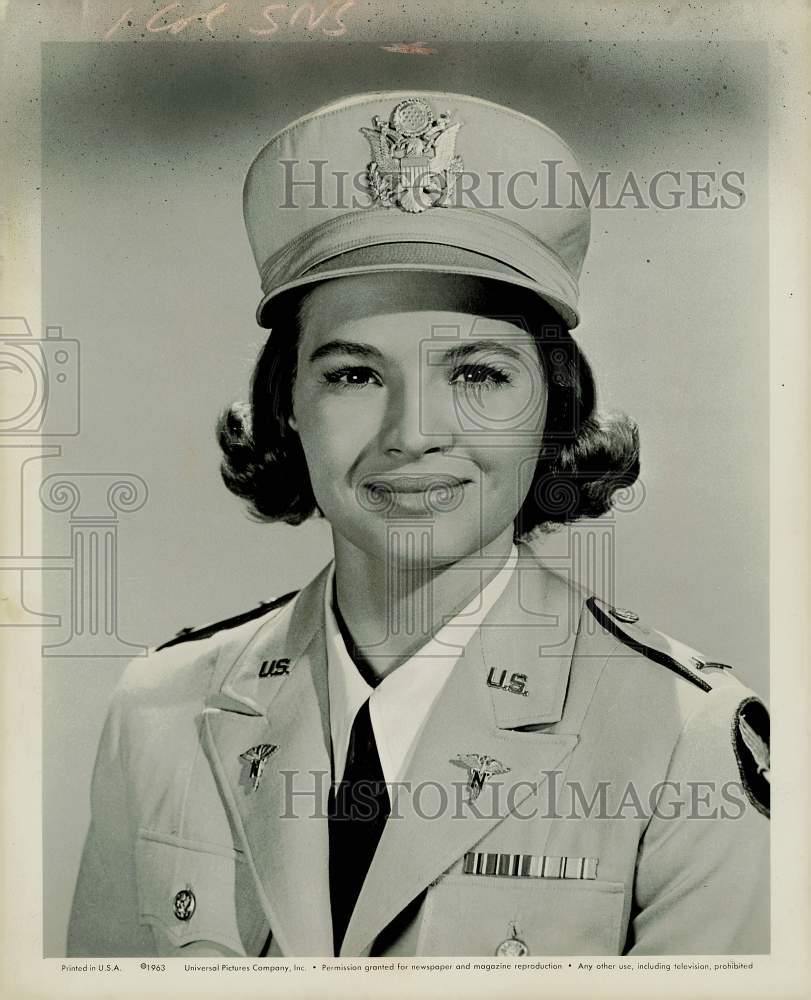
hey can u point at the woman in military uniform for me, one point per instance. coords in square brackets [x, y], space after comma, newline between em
[438, 746]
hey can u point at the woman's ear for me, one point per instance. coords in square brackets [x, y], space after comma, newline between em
[292, 423]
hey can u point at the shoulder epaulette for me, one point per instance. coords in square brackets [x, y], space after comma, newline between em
[626, 626]
[191, 633]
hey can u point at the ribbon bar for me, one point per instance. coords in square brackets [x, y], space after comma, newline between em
[528, 865]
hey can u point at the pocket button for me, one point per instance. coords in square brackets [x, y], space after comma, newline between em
[185, 904]
[512, 948]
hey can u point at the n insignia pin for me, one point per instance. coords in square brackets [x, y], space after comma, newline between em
[414, 163]
[257, 757]
[480, 767]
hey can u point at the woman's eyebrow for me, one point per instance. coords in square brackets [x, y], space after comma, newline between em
[345, 347]
[461, 351]
[453, 354]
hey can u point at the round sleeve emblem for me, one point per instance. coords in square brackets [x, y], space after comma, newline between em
[750, 736]
[185, 904]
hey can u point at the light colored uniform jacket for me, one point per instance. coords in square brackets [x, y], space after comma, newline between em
[577, 703]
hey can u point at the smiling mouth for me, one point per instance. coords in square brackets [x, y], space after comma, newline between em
[415, 484]
[414, 495]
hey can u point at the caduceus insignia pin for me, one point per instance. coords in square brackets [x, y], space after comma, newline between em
[480, 766]
[257, 757]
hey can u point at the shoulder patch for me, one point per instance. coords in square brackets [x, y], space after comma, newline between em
[656, 646]
[750, 740]
[189, 634]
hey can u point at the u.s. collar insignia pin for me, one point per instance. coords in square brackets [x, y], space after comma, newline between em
[414, 163]
[257, 757]
[480, 766]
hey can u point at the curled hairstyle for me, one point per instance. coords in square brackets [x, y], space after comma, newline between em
[583, 461]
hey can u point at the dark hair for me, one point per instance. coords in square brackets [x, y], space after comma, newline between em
[583, 460]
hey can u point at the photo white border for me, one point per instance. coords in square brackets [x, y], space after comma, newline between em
[785, 973]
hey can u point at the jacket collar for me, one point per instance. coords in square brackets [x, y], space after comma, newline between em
[283, 637]
[527, 644]
[514, 673]
[534, 622]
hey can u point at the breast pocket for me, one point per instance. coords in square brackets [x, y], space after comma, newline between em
[190, 895]
[473, 915]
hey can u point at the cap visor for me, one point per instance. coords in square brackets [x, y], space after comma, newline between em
[407, 256]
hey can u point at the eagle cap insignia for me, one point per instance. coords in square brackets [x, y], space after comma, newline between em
[414, 163]
[480, 766]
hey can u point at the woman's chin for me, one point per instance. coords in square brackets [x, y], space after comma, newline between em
[420, 543]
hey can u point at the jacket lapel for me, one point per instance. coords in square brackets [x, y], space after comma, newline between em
[530, 632]
[282, 822]
[281, 818]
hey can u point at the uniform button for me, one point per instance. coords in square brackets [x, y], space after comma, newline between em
[624, 615]
[512, 948]
[185, 904]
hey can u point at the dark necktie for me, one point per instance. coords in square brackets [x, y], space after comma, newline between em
[358, 808]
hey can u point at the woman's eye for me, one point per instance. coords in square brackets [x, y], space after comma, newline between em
[480, 376]
[351, 377]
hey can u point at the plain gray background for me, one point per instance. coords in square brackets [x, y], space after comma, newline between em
[145, 262]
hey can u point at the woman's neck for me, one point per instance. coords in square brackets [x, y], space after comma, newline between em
[391, 607]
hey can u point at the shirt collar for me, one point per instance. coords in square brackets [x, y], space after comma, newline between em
[399, 706]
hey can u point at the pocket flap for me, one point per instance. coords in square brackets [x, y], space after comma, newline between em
[188, 891]
[474, 915]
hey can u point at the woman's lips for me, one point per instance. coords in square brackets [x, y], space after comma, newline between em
[417, 494]
[414, 484]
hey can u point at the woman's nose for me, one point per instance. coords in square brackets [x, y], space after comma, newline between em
[417, 422]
